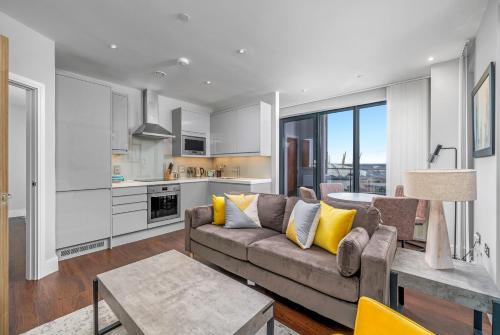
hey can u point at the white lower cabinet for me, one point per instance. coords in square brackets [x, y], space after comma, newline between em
[82, 216]
[129, 222]
[220, 188]
[130, 210]
[193, 195]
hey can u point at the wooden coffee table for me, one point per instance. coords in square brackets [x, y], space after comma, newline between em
[171, 293]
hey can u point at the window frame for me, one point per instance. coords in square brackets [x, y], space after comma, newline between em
[316, 116]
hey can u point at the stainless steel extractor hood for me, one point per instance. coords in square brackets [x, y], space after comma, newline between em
[150, 118]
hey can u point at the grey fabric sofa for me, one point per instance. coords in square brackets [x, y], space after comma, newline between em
[307, 277]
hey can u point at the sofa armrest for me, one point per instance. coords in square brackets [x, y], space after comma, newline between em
[376, 261]
[195, 217]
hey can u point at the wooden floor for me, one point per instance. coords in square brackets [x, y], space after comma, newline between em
[33, 303]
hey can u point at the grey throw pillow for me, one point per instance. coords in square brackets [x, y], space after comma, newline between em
[271, 210]
[350, 249]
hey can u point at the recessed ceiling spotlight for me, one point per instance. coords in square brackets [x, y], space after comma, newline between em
[359, 75]
[183, 61]
[160, 74]
[430, 59]
[241, 51]
[183, 17]
[207, 82]
[304, 90]
[113, 46]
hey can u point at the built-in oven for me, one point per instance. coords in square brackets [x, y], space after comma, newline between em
[194, 145]
[164, 202]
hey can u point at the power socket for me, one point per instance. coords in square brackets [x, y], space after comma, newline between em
[477, 238]
[487, 250]
[117, 169]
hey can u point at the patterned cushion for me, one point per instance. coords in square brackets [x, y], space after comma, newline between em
[241, 211]
[303, 224]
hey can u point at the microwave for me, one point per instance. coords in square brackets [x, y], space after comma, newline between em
[193, 145]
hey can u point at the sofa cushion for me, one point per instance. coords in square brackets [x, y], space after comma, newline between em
[271, 210]
[314, 267]
[241, 211]
[232, 242]
[367, 216]
[350, 249]
[290, 204]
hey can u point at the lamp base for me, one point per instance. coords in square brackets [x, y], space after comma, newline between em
[438, 252]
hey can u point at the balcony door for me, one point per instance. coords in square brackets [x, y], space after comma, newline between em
[298, 154]
[346, 146]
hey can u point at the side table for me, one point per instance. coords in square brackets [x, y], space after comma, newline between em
[467, 284]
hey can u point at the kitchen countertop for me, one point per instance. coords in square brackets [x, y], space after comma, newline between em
[247, 181]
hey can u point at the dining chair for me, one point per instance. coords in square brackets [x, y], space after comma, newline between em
[422, 208]
[398, 212]
[373, 317]
[326, 188]
[307, 193]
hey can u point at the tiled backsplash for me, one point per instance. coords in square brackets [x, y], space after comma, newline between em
[146, 158]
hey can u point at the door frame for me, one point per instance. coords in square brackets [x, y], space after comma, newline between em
[35, 172]
[314, 117]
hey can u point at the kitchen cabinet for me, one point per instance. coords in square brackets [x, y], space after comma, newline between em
[243, 131]
[189, 123]
[130, 210]
[83, 134]
[194, 194]
[82, 216]
[219, 188]
[119, 133]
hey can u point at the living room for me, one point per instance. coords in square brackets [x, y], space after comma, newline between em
[331, 164]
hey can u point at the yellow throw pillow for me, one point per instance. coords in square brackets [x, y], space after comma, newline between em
[219, 215]
[333, 225]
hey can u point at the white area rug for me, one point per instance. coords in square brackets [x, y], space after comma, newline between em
[81, 323]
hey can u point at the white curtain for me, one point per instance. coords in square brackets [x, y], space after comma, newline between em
[408, 109]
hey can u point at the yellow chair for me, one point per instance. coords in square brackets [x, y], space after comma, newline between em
[374, 318]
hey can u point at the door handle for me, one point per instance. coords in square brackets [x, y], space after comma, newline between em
[4, 198]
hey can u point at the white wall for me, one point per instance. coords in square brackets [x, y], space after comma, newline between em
[486, 206]
[444, 127]
[348, 100]
[32, 55]
[17, 151]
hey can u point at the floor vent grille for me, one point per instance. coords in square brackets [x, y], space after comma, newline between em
[81, 249]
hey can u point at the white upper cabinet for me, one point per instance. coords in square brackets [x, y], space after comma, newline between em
[119, 135]
[83, 134]
[244, 131]
[190, 123]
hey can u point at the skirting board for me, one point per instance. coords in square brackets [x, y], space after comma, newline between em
[144, 234]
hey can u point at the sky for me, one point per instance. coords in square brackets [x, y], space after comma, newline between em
[373, 135]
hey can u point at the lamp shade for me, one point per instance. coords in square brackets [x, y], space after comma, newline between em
[444, 185]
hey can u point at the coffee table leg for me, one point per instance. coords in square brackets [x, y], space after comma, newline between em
[495, 326]
[107, 329]
[393, 290]
[478, 322]
[95, 292]
[270, 327]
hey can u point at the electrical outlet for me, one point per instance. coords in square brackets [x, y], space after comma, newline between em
[487, 250]
[117, 170]
[477, 238]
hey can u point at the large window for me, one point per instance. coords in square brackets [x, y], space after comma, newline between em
[345, 146]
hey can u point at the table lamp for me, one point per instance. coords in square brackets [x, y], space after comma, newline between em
[438, 186]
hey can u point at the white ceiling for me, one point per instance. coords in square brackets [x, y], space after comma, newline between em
[320, 45]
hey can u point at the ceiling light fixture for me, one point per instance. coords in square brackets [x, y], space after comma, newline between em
[183, 61]
[304, 90]
[183, 17]
[430, 59]
[207, 82]
[113, 46]
[241, 51]
[160, 74]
